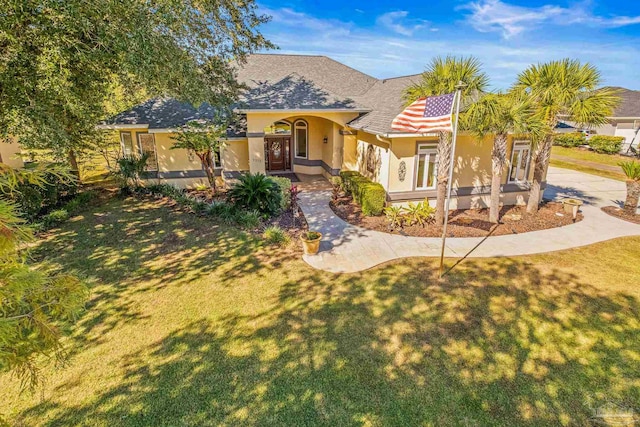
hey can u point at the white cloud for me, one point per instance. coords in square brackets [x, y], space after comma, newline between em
[397, 22]
[384, 54]
[511, 20]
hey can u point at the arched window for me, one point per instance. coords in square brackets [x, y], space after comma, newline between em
[301, 135]
[278, 128]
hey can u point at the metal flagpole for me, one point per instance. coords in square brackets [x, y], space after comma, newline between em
[458, 95]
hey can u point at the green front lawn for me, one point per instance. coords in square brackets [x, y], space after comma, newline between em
[591, 156]
[605, 165]
[191, 323]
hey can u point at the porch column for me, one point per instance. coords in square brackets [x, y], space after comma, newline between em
[338, 147]
[256, 152]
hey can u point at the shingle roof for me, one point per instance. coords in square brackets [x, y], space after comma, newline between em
[385, 100]
[169, 113]
[630, 104]
[301, 82]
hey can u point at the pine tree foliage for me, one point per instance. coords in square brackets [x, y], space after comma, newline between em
[34, 306]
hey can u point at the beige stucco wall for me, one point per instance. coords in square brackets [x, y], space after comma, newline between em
[472, 165]
[235, 155]
[10, 154]
[173, 160]
[381, 155]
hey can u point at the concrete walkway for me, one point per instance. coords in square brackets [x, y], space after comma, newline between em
[347, 248]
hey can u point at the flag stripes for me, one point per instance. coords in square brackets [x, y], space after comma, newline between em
[426, 115]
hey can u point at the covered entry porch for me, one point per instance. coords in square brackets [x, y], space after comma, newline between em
[303, 144]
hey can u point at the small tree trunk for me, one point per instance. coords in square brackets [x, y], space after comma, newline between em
[498, 160]
[540, 165]
[207, 164]
[633, 196]
[73, 162]
[444, 158]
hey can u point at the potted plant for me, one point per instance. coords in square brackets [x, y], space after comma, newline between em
[311, 242]
[571, 206]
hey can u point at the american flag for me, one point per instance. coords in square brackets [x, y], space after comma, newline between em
[426, 115]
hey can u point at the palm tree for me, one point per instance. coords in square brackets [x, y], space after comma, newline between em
[441, 77]
[499, 114]
[632, 170]
[567, 89]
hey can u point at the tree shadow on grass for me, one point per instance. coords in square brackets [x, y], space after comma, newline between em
[129, 247]
[496, 343]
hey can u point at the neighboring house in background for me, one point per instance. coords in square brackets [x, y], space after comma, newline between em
[625, 120]
[313, 115]
[10, 154]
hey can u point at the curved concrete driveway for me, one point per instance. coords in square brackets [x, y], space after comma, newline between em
[347, 248]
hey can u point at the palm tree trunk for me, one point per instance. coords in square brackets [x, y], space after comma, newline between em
[444, 159]
[540, 165]
[498, 160]
[633, 196]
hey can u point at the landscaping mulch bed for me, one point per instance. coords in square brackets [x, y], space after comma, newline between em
[208, 195]
[463, 223]
[294, 225]
[621, 214]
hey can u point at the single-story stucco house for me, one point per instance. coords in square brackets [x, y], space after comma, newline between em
[625, 120]
[313, 115]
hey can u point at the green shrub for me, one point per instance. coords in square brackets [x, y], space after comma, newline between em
[248, 219]
[573, 139]
[79, 201]
[285, 186]
[35, 198]
[371, 196]
[275, 235]
[218, 207]
[394, 217]
[605, 144]
[256, 193]
[55, 217]
[200, 207]
[419, 213]
[165, 190]
[225, 212]
[130, 168]
[30, 200]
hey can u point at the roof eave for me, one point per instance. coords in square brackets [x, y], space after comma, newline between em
[122, 126]
[303, 110]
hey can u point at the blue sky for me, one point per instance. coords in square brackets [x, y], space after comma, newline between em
[394, 38]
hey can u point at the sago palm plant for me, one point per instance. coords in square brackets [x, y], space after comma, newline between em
[499, 115]
[256, 192]
[441, 77]
[567, 89]
[632, 170]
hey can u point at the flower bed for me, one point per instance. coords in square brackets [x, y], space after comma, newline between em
[462, 223]
[621, 214]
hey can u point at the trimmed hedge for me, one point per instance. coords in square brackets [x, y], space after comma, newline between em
[573, 139]
[371, 196]
[606, 144]
[285, 190]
